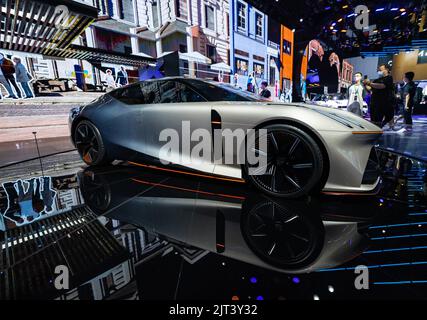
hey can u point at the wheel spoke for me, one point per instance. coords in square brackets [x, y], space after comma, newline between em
[261, 170]
[302, 166]
[274, 142]
[260, 227]
[290, 180]
[259, 152]
[273, 178]
[80, 130]
[291, 219]
[272, 249]
[290, 250]
[273, 211]
[299, 237]
[293, 147]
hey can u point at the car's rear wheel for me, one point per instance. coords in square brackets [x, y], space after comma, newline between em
[292, 165]
[89, 144]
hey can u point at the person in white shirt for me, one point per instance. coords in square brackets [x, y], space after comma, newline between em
[356, 95]
[110, 81]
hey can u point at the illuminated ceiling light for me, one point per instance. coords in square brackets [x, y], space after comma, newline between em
[403, 13]
[380, 9]
[293, 30]
[351, 15]
[301, 20]
[316, 297]
[344, 30]
[254, 280]
[331, 289]
[327, 8]
[340, 20]
[334, 24]
[345, 7]
[402, 10]
[331, 27]
[394, 9]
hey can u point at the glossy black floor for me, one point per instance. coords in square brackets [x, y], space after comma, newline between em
[410, 143]
[126, 232]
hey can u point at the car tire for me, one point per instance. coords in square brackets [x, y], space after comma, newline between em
[281, 233]
[294, 163]
[89, 144]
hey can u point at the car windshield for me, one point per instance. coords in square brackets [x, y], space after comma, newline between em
[222, 92]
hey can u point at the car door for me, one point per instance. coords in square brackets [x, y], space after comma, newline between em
[177, 112]
[121, 117]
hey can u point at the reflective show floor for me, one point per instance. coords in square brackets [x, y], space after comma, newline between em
[410, 143]
[125, 232]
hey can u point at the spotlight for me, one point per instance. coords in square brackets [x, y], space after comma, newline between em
[331, 289]
[316, 297]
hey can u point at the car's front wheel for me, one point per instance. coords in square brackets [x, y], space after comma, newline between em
[89, 143]
[292, 165]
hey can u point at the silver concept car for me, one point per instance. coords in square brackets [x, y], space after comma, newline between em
[309, 148]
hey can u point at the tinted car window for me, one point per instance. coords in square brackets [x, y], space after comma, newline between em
[168, 92]
[221, 92]
[131, 94]
[150, 91]
[176, 92]
[186, 94]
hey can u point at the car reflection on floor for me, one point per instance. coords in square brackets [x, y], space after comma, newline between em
[132, 232]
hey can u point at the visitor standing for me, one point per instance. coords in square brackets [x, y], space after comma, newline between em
[356, 94]
[382, 99]
[23, 77]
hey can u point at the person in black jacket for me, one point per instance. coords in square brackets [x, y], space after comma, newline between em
[8, 70]
[265, 93]
[383, 99]
[408, 97]
[122, 77]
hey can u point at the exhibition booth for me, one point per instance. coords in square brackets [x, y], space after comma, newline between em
[233, 151]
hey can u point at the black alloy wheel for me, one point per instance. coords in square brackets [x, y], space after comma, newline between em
[89, 144]
[292, 165]
[282, 237]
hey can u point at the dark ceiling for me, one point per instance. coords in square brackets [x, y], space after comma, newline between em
[393, 23]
